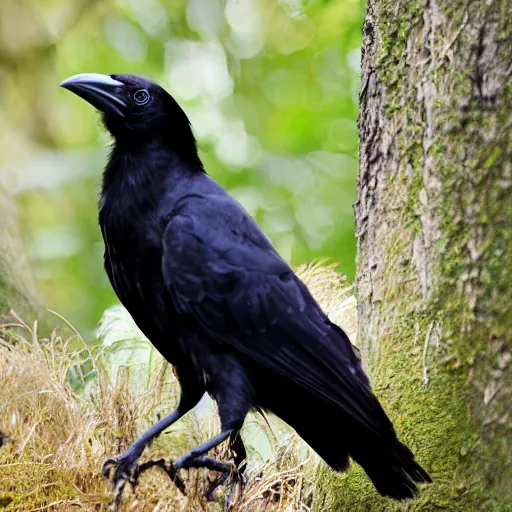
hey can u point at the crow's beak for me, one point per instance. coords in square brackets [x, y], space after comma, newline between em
[101, 91]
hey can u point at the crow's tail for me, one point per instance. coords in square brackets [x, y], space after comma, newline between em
[389, 464]
[391, 467]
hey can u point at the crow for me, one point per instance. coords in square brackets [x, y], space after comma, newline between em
[209, 290]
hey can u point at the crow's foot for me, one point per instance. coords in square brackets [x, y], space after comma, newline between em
[233, 481]
[125, 468]
[168, 466]
[119, 470]
[172, 469]
[227, 469]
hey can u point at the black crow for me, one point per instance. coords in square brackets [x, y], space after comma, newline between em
[209, 290]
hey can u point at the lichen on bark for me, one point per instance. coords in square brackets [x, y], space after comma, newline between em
[433, 219]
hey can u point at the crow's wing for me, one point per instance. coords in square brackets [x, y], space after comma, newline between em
[220, 269]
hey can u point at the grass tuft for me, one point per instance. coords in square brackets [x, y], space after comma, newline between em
[63, 410]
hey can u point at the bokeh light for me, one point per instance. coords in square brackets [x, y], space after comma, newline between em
[269, 85]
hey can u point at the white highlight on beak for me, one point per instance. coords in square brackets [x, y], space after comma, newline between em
[93, 79]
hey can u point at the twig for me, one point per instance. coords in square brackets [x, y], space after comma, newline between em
[27, 439]
[28, 463]
[53, 503]
[425, 378]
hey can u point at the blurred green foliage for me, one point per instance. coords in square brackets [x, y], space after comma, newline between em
[269, 85]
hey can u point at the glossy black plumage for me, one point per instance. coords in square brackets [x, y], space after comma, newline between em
[209, 290]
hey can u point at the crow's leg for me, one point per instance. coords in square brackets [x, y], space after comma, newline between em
[125, 466]
[230, 386]
[125, 463]
[196, 458]
[237, 447]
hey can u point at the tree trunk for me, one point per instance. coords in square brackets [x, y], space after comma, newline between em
[17, 289]
[433, 224]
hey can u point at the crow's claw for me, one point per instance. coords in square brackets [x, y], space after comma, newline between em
[125, 469]
[211, 494]
[231, 478]
[169, 468]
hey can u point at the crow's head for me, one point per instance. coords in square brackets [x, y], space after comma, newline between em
[131, 105]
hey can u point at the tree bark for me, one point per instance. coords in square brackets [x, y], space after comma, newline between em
[433, 225]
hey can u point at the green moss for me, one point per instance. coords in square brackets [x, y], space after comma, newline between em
[36, 487]
[5, 499]
[433, 421]
[413, 207]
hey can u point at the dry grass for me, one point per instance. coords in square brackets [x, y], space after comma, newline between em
[64, 412]
[332, 292]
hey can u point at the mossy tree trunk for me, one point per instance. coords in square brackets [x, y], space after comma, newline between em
[434, 231]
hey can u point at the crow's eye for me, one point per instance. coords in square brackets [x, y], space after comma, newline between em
[141, 97]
